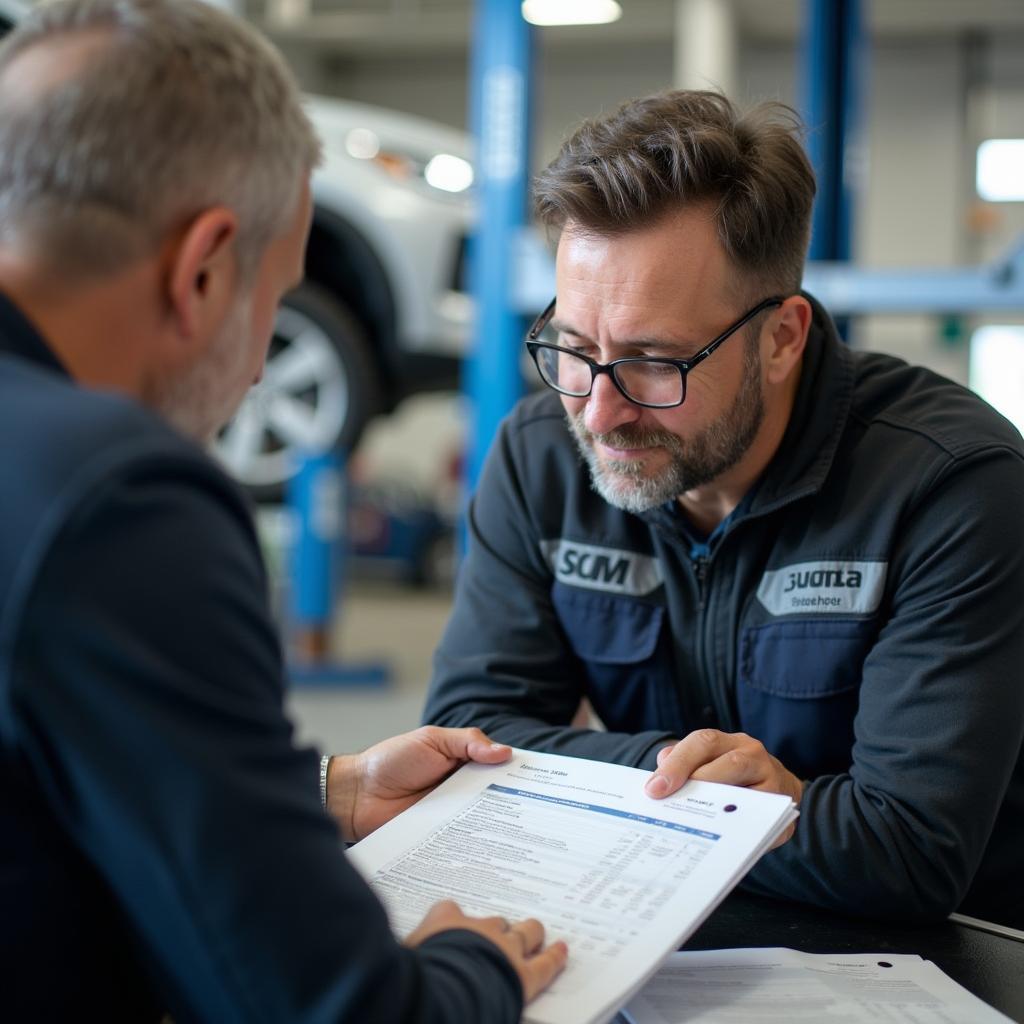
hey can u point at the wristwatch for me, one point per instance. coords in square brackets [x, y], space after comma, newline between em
[324, 763]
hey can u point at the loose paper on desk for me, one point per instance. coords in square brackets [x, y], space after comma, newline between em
[744, 986]
[622, 878]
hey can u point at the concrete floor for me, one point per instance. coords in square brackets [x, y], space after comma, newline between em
[381, 622]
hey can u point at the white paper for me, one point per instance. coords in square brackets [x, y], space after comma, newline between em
[744, 986]
[622, 878]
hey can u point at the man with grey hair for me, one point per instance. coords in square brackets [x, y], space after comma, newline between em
[164, 848]
[761, 557]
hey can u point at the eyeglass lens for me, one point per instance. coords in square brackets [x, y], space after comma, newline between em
[651, 383]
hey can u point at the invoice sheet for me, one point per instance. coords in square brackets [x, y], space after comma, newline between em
[744, 986]
[622, 878]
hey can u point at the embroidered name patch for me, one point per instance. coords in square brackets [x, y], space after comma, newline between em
[597, 568]
[849, 588]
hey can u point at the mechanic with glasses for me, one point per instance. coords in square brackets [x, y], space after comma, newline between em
[759, 556]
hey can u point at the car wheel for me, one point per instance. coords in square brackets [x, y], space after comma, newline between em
[318, 391]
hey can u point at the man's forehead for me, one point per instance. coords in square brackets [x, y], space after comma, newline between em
[677, 260]
[50, 63]
[689, 234]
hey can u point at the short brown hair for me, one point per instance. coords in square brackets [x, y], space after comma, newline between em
[629, 168]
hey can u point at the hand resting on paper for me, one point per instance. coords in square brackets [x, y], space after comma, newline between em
[366, 790]
[521, 941]
[733, 758]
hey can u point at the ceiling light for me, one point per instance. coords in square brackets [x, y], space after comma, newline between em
[571, 12]
[999, 172]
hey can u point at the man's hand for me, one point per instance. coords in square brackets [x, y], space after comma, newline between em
[522, 942]
[366, 790]
[731, 757]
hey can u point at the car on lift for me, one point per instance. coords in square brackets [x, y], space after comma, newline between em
[383, 311]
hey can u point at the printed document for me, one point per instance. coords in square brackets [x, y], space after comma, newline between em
[622, 878]
[744, 986]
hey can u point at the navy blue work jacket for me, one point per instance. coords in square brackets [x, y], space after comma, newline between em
[861, 613]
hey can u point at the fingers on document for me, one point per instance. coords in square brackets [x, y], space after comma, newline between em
[469, 743]
[664, 752]
[529, 933]
[538, 971]
[680, 761]
[523, 943]
[735, 767]
[711, 755]
[501, 923]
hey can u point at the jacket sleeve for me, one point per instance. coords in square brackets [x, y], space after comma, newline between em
[940, 722]
[148, 708]
[504, 663]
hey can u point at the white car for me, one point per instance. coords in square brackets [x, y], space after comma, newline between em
[383, 311]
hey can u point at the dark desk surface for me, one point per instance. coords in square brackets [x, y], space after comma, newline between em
[990, 966]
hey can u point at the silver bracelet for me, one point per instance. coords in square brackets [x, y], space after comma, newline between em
[324, 762]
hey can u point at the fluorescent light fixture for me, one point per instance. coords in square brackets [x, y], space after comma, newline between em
[996, 369]
[999, 173]
[571, 12]
[362, 144]
[449, 173]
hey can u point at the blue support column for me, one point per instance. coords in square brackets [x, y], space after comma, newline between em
[832, 101]
[317, 497]
[500, 116]
[317, 500]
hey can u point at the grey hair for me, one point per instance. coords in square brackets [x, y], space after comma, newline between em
[167, 108]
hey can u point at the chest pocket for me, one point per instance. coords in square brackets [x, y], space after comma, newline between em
[625, 655]
[798, 687]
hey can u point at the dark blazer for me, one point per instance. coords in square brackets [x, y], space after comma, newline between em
[162, 844]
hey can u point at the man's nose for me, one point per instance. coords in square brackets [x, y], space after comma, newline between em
[607, 408]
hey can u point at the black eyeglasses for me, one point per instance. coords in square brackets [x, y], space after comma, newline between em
[645, 380]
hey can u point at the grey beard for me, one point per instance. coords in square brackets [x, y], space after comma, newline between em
[692, 464]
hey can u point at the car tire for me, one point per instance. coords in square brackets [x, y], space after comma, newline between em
[319, 389]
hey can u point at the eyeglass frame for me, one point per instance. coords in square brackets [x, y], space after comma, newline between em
[684, 366]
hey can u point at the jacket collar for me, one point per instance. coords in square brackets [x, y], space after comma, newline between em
[817, 422]
[19, 338]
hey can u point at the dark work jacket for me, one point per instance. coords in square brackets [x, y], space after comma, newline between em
[862, 614]
[162, 844]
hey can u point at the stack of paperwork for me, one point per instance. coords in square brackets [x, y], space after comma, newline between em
[744, 986]
[622, 878]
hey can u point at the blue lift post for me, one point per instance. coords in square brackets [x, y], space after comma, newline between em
[832, 101]
[500, 108]
[317, 501]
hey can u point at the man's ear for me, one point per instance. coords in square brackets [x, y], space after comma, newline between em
[788, 338]
[201, 274]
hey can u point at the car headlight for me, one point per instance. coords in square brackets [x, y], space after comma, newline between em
[445, 172]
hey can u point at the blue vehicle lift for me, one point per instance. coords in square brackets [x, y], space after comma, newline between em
[317, 502]
[500, 109]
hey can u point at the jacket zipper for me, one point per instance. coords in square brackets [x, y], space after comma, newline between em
[701, 565]
[700, 568]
